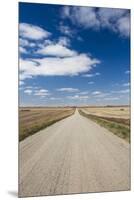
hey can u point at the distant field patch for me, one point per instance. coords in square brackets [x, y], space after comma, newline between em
[118, 125]
[113, 111]
[31, 120]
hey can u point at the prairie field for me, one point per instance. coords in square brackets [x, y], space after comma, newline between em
[114, 118]
[32, 119]
[115, 111]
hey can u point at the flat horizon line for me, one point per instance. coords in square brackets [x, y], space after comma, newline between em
[119, 105]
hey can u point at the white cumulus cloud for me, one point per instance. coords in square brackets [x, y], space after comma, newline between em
[91, 75]
[78, 97]
[96, 93]
[125, 91]
[28, 91]
[41, 92]
[52, 66]
[21, 83]
[22, 50]
[83, 16]
[26, 43]
[32, 32]
[56, 50]
[115, 19]
[126, 84]
[64, 41]
[123, 26]
[64, 29]
[67, 89]
[112, 98]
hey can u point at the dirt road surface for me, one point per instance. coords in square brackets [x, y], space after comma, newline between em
[74, 155]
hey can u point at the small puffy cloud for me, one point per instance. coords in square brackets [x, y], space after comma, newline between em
[87, 75]
[28, 91]
[23, 42]
[83, 97]
[24, 76]
[56, 50]
[124, 91]
[26, 43]
[90, 82]
[97, 74]
[107, 14]
[44, 43]
[29, 87]
[77, 97]
[109, 18]
[55, 98]
[123, 25]
[21, 83]
[65, 30]
[121, 91]
[102, 95]
[82, 16]
[41, 92]
[65, 11]
[127, 72]
[126, 84]
[22, 50]
[32, 32]
[96, 93]
[64, 41]
[91, 75]
[112, 98]
[83, 93]
[67, 89]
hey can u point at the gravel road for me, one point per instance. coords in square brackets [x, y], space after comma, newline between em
[74, 155]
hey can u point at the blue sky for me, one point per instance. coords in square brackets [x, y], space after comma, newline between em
[71, 55]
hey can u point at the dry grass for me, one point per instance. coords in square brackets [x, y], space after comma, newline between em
[33, 119]
[118, 126]
[112, 112]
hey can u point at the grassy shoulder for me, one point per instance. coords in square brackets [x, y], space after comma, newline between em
[120, 129]
[29, 125]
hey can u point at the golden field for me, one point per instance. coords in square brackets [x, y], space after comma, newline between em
[114, 118]
[117, 112]
[32, 119]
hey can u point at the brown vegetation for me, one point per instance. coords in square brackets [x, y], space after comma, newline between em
[32, 119]
[119, 126]
[109, 111]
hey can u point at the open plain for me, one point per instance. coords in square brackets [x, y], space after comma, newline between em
[111, 111]
[33, 119]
